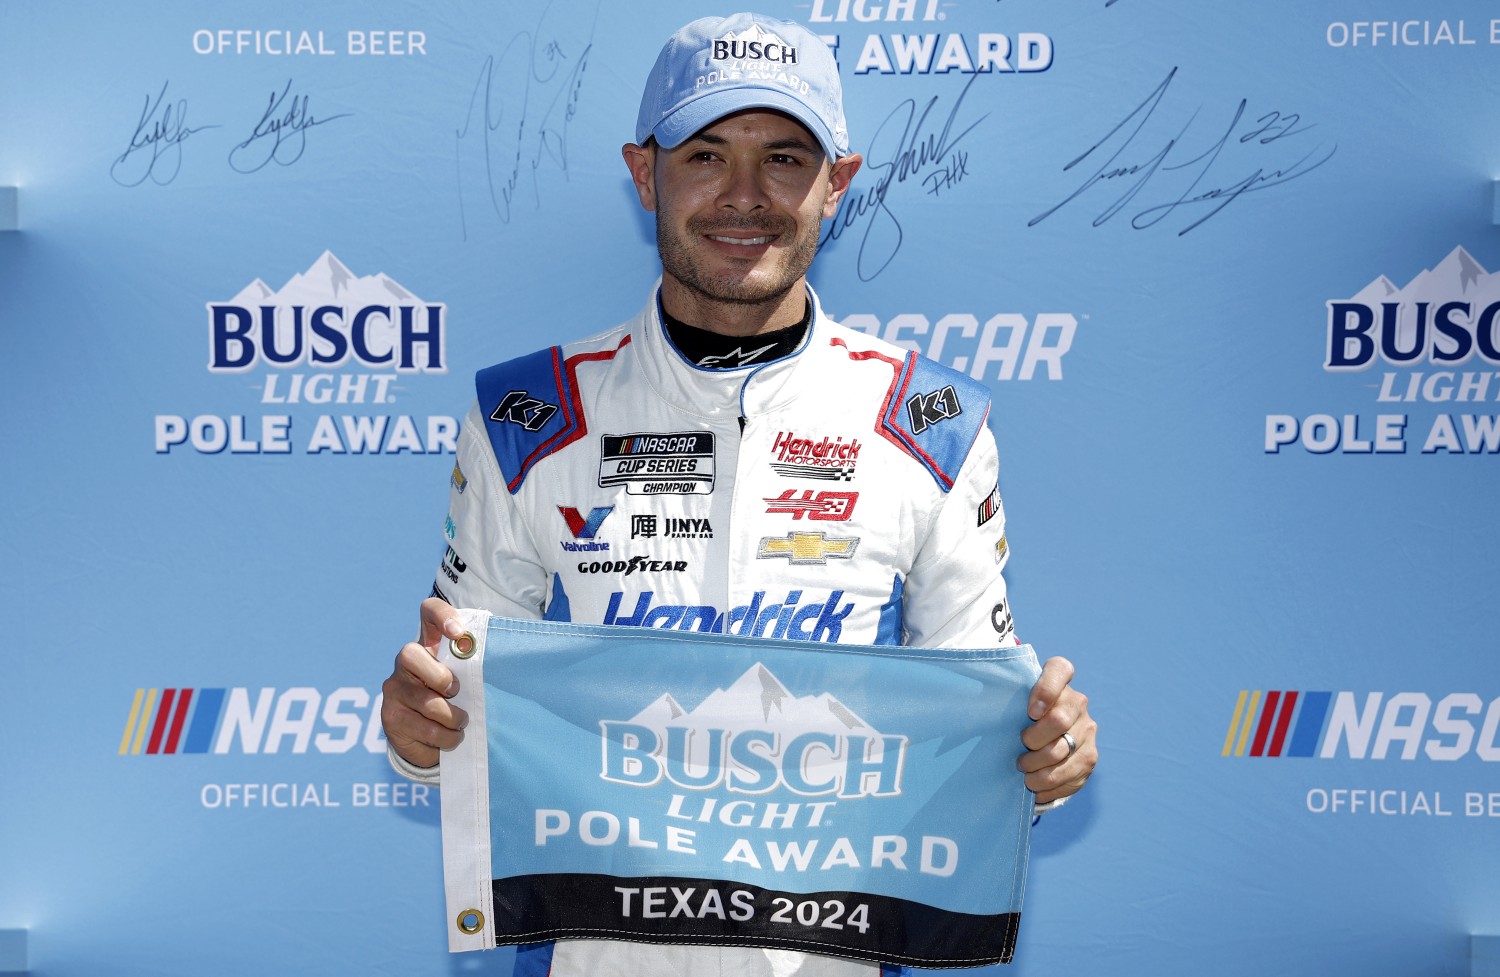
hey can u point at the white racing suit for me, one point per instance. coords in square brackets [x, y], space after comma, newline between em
[847, 492]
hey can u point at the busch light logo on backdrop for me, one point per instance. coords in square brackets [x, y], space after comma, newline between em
[753, 738]
[1372, 739]
[326, 338]
[892, 47]
[325, 317]
[271, 723]
[1435, 343]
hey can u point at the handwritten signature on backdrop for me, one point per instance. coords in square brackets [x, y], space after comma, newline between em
[913, 149]
[281, 134]
[1178, 175]
[517, 121]
[155, 151]
[157, 147]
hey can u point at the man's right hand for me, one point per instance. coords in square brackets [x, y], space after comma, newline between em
[419, 720]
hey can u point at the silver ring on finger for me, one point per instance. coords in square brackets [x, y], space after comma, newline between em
[1072, 744]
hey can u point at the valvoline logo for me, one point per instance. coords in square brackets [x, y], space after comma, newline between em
[585, 527]
[1376, 726]
[239, 720]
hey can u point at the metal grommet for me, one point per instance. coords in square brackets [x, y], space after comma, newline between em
[475, 920]
[463, 647]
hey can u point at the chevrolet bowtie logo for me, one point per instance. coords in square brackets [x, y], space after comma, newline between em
[803, 548]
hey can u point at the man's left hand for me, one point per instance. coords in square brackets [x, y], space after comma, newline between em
[1061, 742]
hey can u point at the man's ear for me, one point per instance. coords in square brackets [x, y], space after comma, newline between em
[839, 179]
[641, 161]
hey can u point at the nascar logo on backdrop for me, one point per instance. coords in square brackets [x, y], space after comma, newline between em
[327, 338]
[1354, 729]
[1433, 342]
[265, 722]
[1006, 346]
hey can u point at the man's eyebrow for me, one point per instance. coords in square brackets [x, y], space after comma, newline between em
[794, 142]
[790, 142]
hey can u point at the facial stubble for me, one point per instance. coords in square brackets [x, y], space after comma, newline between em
[677, 258]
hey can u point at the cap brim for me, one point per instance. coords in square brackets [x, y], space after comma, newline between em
[703, 111]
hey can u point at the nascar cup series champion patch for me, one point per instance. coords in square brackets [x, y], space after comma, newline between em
[665, 787]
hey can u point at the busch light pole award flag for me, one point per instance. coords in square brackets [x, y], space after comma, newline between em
[661, 787]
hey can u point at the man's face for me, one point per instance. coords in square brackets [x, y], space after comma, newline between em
[739, 206]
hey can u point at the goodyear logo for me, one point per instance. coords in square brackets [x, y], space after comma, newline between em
[295, 720]
[1376, 726]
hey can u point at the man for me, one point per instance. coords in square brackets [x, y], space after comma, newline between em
[730, 459]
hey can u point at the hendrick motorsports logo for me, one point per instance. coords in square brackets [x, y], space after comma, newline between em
[753, 738]
[803, 457]
[326, 337]
[1435, 341]
[790, 618]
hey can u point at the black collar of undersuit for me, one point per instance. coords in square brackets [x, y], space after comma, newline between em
[716, 351]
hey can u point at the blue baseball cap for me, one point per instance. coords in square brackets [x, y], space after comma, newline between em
[716, 66]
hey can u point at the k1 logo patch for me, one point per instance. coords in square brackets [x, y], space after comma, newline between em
[519, 407]
[925, 410]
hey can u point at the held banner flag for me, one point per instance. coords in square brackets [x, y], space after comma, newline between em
[668, 787]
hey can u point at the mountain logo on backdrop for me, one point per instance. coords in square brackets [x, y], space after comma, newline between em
[325, 318]
[327, 338]
[1444, 317]
[1427, 353]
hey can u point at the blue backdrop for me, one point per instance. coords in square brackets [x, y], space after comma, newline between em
[1227, 271]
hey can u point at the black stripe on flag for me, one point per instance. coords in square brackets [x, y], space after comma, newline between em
[666, 909]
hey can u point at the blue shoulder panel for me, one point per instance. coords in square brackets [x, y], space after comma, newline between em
[529, 410]
[935, 413]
